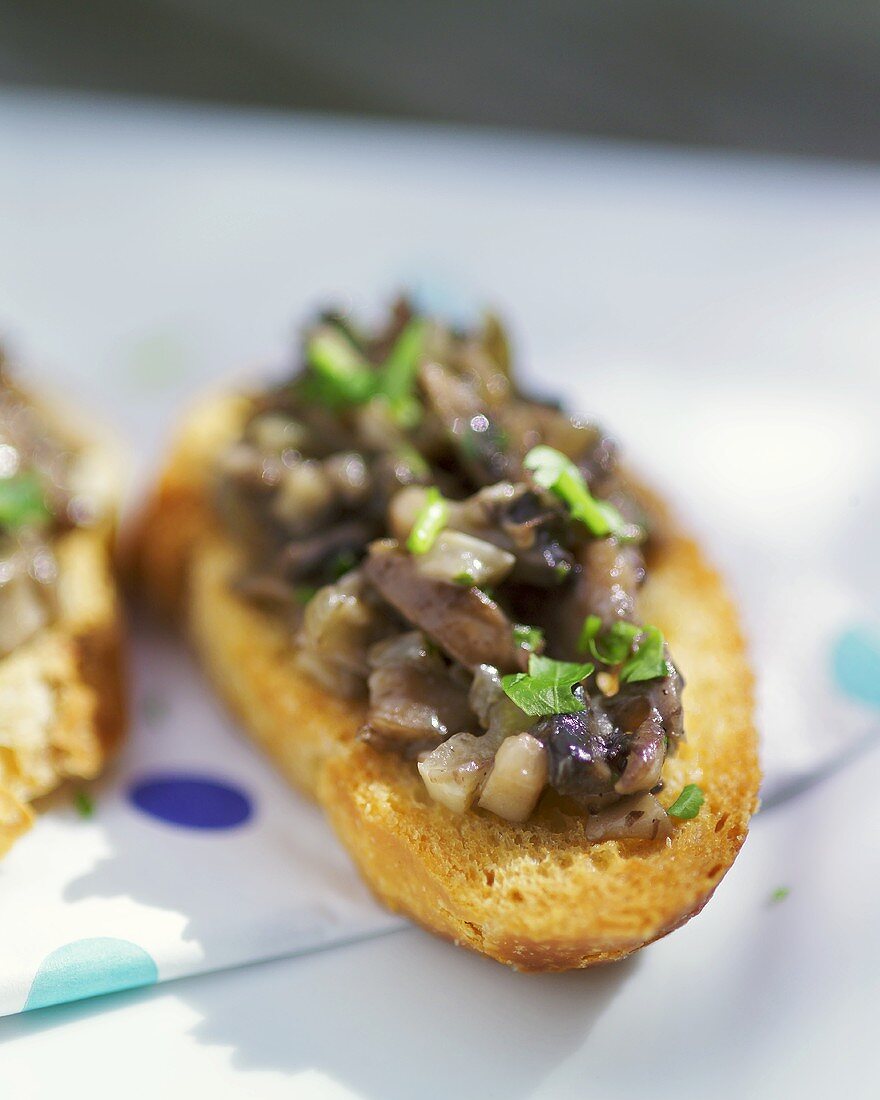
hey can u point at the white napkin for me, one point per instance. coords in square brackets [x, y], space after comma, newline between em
[780, 482]
[124, 897]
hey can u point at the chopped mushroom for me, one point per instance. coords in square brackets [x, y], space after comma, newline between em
[415, 700]
[464, 622]
[517, 778]
[48, 485]
[341, 622]
[462, 559]
[506, 570]
[640, 817]
[24, 609]
[454, 772]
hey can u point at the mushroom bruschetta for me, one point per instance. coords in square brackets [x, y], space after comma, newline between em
[61, 690]
[448, 614]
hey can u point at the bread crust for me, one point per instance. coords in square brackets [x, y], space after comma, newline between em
[62, 693]
[536, 896]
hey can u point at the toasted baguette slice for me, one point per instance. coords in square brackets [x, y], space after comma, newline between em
[62, 697]
[537, 896]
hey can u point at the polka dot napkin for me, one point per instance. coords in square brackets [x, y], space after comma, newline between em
[189, 855]
[192, 855]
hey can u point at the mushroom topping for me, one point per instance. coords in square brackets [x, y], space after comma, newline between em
[455, 771]
[25, 604]
[462, 559]
[639, 816]
[612, 574]
[517, 778]
[586, 752]
[341, 622]
[48, 485]
[467, 557]
[415, 700]
[468, 625]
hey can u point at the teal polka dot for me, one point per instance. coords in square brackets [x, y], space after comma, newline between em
[856, 664]
[87, 968]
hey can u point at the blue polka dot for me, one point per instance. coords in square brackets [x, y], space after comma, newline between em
[856, 664]
[87, 968]
[191, 801]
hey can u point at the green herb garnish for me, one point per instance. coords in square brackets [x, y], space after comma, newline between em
[467, 580]
[413, 461]
[649, 660]
[612, 645]
[780, 894]
[547, 687]
[398, 374]
[22, 501]
[340, 375]
[528, 637]
[553, 470]
[688, 803]
[342, 563]
[303, 593]
[429, 523]
[85, 807]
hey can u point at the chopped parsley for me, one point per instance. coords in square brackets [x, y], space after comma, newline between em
[342, 563]
[780, 894]
[429, 523]
[613, 645]
[528, 637]
[688, 803]
[85, 807]
[22, 501]
[649, 660]
[547, 687]
[467, 580]
[553, 470]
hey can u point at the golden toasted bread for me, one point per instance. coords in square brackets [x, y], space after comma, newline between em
[62, 698]
[539, 895]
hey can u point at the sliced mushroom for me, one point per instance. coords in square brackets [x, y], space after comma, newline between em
[640, 817]
[510, 517]
[517, 778]
[612, 574]
[317, 557]
[498, 714]
[464, 622]
[415, 699]
[341, 622]
[645, 756]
